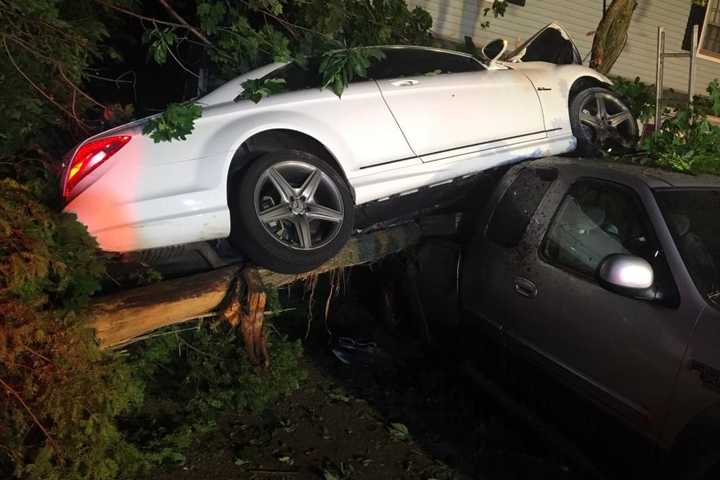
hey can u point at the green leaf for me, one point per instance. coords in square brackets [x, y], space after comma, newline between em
[175, 123]
[713, 91]
[257, 89]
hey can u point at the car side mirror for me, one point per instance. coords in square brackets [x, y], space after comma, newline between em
[495, 49]
[628, 275]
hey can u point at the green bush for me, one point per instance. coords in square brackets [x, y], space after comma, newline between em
[194, 376]
[69, 411]
[60, 394]
[686, 143]
[639, 97]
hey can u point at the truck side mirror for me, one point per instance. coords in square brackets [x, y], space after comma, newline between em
[494, 50]
[628, 275]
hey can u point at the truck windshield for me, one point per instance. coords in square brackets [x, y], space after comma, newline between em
[693, 216]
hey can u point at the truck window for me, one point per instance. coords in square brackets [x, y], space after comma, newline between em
[518, 205]
[596, 219]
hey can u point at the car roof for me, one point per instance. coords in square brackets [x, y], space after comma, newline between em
[655, 178]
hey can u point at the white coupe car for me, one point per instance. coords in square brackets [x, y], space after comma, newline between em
[282, 178]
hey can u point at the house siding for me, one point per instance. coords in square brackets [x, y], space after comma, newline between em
[456, 19]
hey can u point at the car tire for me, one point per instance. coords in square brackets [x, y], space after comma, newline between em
[602, 123]
[283, 219]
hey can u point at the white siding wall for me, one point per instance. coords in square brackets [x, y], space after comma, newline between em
[455, 19]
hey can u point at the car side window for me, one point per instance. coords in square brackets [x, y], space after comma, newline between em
[518, 205]
[297, 77]
[413, 62]
[597, 219]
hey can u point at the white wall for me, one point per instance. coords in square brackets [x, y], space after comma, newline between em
[455, 19]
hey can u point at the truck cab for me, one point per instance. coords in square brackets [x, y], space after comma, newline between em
[605, 276]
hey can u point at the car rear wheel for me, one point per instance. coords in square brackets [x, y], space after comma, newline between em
[291, 211]
[602, 123]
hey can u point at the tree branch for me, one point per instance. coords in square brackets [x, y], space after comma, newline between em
[40, 90]
[180, 19]
[138, 16]
[79, 90]
[15, 394]
[177, 60]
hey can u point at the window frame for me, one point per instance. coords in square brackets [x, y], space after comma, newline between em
[552, 174]
[399, 50]
[712, 9]
[592, 278]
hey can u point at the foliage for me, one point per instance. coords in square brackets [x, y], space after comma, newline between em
[637, 95]
[175, 123]
[61, 398]
[47, 47]
[498, 7]
[340, 67]
[686, 143]
[194, 376]
[253, 33]
[60, 395]
[713, 91]
[257, 89]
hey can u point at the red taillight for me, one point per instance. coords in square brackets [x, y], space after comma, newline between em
[88, 157]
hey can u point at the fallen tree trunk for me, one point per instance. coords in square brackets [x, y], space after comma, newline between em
[120, 318]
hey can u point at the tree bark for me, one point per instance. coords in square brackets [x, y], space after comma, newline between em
[120, 318]
[611, 35]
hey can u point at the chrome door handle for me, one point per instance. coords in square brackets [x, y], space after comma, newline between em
[525, 287]
[404, 83]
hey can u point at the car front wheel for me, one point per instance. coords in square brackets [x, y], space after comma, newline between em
[291, 211]
[602, 123]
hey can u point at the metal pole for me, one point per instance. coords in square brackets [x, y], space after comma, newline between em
[693, 65]
[659, 77]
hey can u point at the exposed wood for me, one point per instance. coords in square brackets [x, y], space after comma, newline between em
[121, 317]
[252, 319]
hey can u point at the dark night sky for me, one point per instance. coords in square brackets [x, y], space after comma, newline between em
[154, 85]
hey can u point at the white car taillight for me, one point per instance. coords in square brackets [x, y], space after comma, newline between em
[88, 157]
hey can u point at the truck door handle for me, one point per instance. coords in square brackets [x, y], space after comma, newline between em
[404, 83]
[525, 287]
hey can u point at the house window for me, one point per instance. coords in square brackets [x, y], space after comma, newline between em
[710, 38]
[696, 17]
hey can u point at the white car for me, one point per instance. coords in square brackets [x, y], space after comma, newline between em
[282, 178]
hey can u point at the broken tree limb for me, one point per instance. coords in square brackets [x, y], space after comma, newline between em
[252, 319]
[119, 318]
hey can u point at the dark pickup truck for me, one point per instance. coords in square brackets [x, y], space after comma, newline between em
[605, 276]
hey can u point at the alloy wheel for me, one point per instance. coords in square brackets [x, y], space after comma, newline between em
[608, 122]
[299, 205]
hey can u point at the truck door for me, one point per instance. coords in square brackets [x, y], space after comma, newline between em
[620, 352]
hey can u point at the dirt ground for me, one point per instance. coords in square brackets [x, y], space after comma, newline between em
[406, 412]
[408, 419]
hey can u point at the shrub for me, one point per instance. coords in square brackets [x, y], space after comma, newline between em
[60, 394]
[193, 376]
[62, 399]
[639, 97]
[686, 143]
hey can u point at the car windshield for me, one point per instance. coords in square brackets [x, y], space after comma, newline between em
[693, 216]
